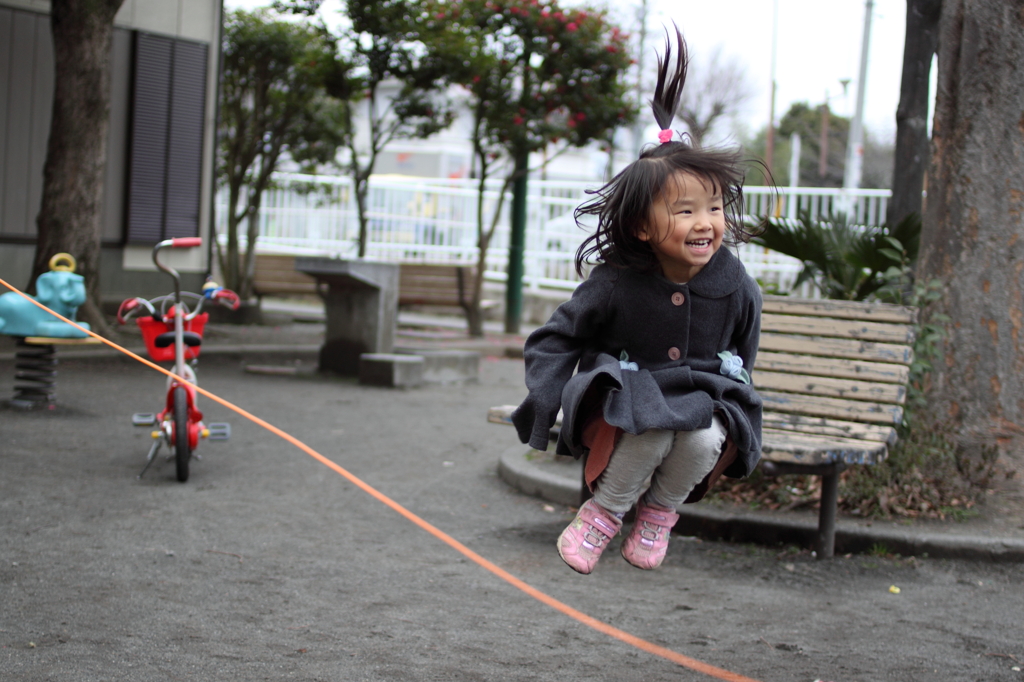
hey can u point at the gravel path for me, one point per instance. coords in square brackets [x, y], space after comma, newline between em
[266, 565]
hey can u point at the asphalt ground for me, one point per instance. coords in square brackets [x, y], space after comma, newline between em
[267, 565]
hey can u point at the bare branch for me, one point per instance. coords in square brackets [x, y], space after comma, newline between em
[717, 87]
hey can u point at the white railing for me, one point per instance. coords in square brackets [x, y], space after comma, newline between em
[434, 220]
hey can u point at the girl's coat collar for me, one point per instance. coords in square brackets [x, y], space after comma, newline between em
[719, 278]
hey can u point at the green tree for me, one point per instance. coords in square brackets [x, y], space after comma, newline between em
[273, 106]
[381, 41]
[76, 150]
[538, 77]
[810, 123]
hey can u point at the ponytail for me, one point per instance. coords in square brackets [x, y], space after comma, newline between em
[669, 88]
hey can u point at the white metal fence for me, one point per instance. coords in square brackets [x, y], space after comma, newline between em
[435, 220]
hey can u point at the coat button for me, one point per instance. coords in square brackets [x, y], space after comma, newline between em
[673, 353]
[678, 298]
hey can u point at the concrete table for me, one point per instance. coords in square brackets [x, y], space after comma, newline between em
[361, 304]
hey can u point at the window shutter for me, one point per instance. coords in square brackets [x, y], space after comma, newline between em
[150, 110]
[185, 133]
[168, 111]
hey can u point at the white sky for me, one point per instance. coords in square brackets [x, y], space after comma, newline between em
[818, 43]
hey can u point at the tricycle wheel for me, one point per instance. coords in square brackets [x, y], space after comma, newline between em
[181, 449]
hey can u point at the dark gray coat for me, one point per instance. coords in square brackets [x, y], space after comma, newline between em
[673, 332]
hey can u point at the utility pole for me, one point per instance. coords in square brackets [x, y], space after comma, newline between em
[855, 144]
[826, 116]
[639, 125]
[794, 175]
[769, 149]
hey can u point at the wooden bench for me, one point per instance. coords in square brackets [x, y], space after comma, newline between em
[833, 376]
[435, 284]
[431, 284]
[276, 274]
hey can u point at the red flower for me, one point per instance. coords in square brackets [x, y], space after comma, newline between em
[517, 120]
[571, 26]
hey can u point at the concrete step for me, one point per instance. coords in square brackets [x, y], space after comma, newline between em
[411, 367]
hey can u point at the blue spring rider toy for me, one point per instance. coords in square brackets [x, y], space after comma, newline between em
[61, 290]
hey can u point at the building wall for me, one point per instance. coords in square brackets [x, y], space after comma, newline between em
[26, 65]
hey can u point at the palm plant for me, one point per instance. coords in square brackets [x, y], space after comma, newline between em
[846, 261]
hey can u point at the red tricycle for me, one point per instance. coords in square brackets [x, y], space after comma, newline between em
[172, 329]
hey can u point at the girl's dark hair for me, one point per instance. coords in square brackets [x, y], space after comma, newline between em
[623, 205]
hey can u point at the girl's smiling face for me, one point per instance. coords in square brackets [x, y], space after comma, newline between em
[686, 226]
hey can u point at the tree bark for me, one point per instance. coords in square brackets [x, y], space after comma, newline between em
[76, 152]
[911, 162]
[973, 233]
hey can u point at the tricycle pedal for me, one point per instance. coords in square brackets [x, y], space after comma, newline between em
[143, 419]
[220, 431]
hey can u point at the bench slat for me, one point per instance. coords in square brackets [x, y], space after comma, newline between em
[434, 284]
[849, 389]
[276, 274]
[830, 327]
[284, 288]
[820, 426]
[850, 349]
[797, 448]
[848, 410]
[832, 367]
[851, 310]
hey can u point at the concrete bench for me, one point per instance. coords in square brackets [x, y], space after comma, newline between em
[833, 376]
[428, 284]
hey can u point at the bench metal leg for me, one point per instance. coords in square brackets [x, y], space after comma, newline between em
[826, 543]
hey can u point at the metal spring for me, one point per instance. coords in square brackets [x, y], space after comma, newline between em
[35, 375]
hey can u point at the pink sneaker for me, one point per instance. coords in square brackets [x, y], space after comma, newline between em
[581, 543]
[647, 542]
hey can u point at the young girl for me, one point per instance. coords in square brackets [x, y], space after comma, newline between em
[662, 335]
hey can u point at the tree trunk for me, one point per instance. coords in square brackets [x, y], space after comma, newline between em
[76, 152]
[973, 232]
[362, 189]
[911, 162]
[229, 260]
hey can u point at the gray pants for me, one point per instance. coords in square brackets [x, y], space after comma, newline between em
[675, 461]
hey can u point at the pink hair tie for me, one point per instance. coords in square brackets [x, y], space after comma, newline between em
[665, 136]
